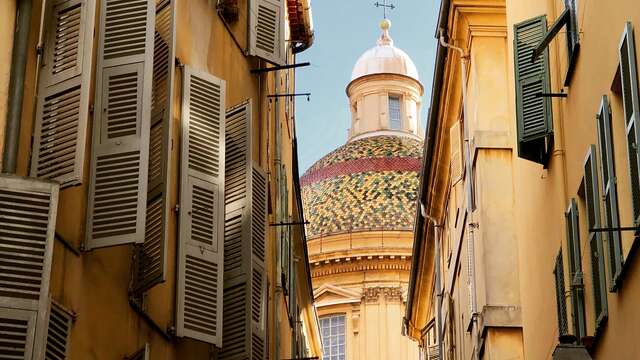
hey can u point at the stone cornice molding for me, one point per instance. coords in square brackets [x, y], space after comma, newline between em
[355, 264]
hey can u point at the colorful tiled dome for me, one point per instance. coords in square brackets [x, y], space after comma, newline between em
[366, 184]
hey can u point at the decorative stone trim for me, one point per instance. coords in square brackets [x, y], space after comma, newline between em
[366, 263]
[391, 294]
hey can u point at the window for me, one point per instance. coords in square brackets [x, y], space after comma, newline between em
[395, 121]
[333, 329]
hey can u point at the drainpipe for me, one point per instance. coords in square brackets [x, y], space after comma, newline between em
[464, 60]
[16, 86]
[436, 230]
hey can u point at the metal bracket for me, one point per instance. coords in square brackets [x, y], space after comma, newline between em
[561, 94]
[623, 228]
[308, 95]
[281, 67]
[289, 223]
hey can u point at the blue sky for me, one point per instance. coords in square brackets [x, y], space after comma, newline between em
[344, 29]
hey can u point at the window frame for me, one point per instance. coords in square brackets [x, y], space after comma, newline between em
[399, 120]
[326, 343]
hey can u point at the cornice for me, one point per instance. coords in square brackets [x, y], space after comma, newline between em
[356, 264]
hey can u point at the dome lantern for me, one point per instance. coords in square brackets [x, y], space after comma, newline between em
[385, 93]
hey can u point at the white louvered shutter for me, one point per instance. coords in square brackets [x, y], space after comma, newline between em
[63, 92]
[151, 256]
[27, 225]
[266, 30]
[200, 264]
[120, 148]
[245, 280]
[59, 330]
[17, 333]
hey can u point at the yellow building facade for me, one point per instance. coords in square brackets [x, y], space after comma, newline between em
[525, 244]
[149, 203]
[359, 201]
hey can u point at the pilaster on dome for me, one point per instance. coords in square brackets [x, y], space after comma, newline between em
[385, 38]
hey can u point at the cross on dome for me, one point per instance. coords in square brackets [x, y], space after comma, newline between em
[384, 7]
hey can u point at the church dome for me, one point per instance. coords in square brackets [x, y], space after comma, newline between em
[384, 58]
[365, 185]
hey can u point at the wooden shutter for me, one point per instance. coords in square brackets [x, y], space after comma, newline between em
[118, 191]
[17, 333]
[575, 268]
[455, 146]
[609, 189]
[62, 108]
[28, 211]
[59, 330]
[245, 282]
[534, 117]
[592, 196]
[151, 256]
[266, 30]
[631, 102]
[561, 301]
[200, 260]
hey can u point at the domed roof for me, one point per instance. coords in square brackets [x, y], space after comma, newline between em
[384, 58]
[366, 184]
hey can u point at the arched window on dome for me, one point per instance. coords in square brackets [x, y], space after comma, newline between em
[395, 115]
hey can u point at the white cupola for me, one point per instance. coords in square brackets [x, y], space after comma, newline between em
[385, 92]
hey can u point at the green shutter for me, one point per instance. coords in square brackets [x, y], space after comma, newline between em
[611, 217]
[631, 102]
[575, 270]
[534, 117]
[592, 195]
[561, 301]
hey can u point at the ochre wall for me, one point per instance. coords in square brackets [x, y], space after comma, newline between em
[94, 285]
[543, 195]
